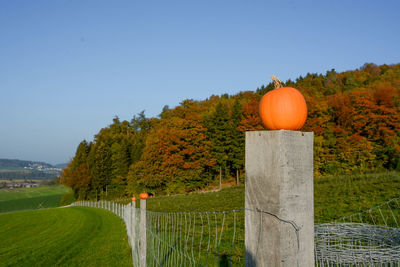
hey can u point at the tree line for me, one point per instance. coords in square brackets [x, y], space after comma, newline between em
[355, 116]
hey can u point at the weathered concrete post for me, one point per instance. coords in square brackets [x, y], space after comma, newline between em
[279, 180]
[142, 233]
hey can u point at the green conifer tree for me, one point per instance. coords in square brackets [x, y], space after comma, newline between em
[236, 155]
[101, 169]
[218, 131]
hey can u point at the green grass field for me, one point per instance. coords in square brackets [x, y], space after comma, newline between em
[31, 198]
[74, 236]
[340, 196]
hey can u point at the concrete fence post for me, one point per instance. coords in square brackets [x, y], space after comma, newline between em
[142, 233]
[279, 199]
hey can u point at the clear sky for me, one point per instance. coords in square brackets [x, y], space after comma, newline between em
[68, 67]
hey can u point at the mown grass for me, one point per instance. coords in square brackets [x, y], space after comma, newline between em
[74, 236]
[33, 198]
[18, 193]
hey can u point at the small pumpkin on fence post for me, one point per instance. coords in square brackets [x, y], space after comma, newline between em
[283, 108]
[143, 195]
[133, 199]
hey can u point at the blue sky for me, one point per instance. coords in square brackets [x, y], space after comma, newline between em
[68, 67]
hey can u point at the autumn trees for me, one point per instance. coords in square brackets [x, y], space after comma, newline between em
[100, 168]
[355, 116]
[176, 158]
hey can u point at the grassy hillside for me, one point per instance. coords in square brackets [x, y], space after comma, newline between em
[63, 237]
[18, 193]
[31, 198]
[334, 197]
[340, 196]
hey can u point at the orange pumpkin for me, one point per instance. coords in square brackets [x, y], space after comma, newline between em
[283, 108]
[134, 199]
[144, 195]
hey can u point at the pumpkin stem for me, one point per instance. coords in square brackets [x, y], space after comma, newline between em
[277, 82]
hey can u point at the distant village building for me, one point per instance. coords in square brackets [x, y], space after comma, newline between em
[18, 185]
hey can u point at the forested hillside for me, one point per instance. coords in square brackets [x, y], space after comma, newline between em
[16, 163]
[355, 116]
[27, 170]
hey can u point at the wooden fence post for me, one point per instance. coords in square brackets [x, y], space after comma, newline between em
[142, 233]
[133, 225]
[279, 199]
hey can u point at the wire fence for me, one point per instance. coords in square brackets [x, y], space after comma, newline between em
[186, 238]
[182, 238]
[195, 239]
[369, 238]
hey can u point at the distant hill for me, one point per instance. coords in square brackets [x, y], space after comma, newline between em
[16, 163]
[60, 166]
[24, 169]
